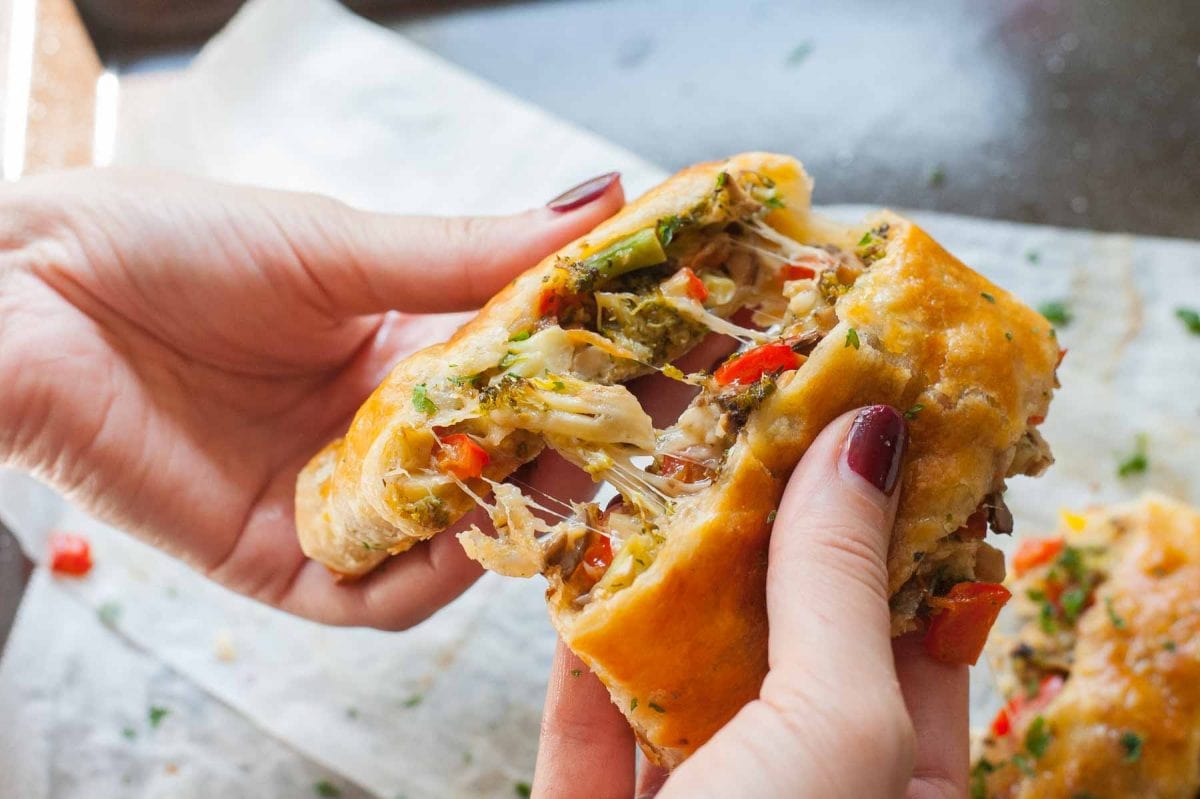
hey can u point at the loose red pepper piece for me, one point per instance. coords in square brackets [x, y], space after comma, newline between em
[682, 469]
[70, 554]
[798, 272]
[597, 557]
[1033, 552]
[1035, 420]
[695, 286]
[958, 631]
[1049, 688]
[460, 456]
[750, 365]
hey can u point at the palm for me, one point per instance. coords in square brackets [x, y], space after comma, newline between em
[205, 362]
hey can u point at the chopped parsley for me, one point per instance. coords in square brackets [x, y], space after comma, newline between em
[988, 297]
[414, 700]
[912, 412]
[326, 788]
[524, 334]
[1023, 763]
[633, 704]
[129, 732]
[1169, 645]
[1008, 334]
[937, 178]
[1131, 742]
[523, 788]
[799, 54]
[1033, 256]
[1190, 318]
[722, 179]
[421, 400]
[1057, 313]
[1137, 462]
[852, 338]
[576, 672]
[156, 714]
[773, 202]
[771, 516]
[1073, 602]
[667, 227]
[979, 774]
[1037, 737]
[657, 708]
[1113, 616]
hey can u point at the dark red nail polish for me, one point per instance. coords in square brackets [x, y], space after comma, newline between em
[875, 446]
[584, 193]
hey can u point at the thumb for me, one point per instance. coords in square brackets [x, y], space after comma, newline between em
[362, 262]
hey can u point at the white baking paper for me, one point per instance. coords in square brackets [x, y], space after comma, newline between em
[306, 96]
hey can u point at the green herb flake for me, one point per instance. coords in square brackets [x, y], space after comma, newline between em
[421, 400]
[129, 733]
[1057, 313]
[1037, 737]
[852, 338]
[771, 517]
[413, 700]
[633, 704]
[988, 297]
[979, 774]
[912, 412]
[722, 179]
[1137, 462]
[1170, 646]
[1073, 601]
[937, 177]
[774, 202]
[523, 789]
[1131, 742]
[1113, 616]
[524, 334]
[666, 229]
[1008, 335]
[799, 54]
[326, 788]
[109, 614]
[1047, 618]
[576, 672]
[352, 713]
[1190, 318]
[657, 708]
[1024, 765]
[156, 714]
[1033, 256]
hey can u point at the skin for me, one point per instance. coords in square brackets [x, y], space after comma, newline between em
[172, 351]
[845, 711]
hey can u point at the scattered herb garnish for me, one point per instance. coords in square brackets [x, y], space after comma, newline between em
[771, 516]
[1131, 742]
[656, 707]
[988, 297]
[1033, 256]
[722, 179]
[799, 53]
[1169, 645]
[1008, 335]
[326, 788]
[1057, 313]
[1113, 616]
[912, 412]
[421, 400]
[852, 338]
[576, 672]
[937, 178]
[667, 227]
[633, 704]
[979, 774]
[1023, 763]
[1073, 601]
[1136, 463]
[1190, 318]
[523, 789]
[773, 202]
[524, 334]
[129, 732]
[1037, 737]
[414, 700]
[156, 714]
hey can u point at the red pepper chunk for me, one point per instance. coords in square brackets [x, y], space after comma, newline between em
[462, 457]
[1020, 704]
[695, 286]
[70, 554]
[750, 365]
[958, 631]
[1033, 552]
[597, 557]
[798, 272]
[683, 469]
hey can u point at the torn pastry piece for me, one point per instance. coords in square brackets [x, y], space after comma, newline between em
[1102, 678]
[662, 592]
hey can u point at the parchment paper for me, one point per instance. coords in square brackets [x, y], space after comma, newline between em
[304, 95]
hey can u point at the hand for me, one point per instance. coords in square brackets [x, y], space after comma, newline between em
[845, 711]
[174, 350]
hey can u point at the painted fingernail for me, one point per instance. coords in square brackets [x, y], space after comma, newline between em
[584, 193]
[875, 446]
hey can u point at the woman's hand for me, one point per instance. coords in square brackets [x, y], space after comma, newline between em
[172, 351]
[845, 711]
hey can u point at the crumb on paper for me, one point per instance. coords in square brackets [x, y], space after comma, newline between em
[223, 646]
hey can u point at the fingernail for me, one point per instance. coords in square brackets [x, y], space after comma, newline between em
[584, 193]
[875, 446]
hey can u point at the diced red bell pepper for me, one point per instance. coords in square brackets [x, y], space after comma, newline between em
[70, 554]
[1035, 420]
[750, 365]
[683, 469]
[1020, 704]
[1033, 552]
[462, 457]
[959, 629]
[597, 557]
[695, 286]
[798, 272]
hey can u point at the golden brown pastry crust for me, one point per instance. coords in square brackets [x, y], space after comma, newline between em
[1139, 674]
[687, 640]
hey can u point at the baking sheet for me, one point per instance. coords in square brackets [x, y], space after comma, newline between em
[451, 708]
